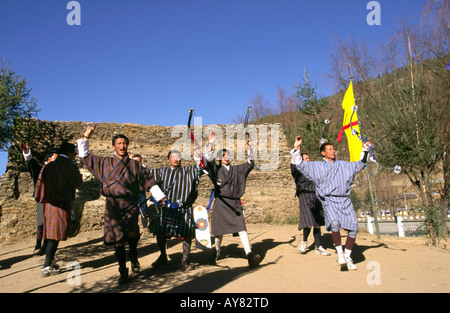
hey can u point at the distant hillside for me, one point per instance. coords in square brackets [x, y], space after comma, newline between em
[387, 186]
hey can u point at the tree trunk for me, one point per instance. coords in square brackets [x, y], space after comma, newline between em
[445, 199]
[427, 192]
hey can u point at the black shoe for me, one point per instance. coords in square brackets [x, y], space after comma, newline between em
[186, 265]
[253, 259]
[123, 279]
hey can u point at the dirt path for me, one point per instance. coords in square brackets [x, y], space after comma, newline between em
[398, 265]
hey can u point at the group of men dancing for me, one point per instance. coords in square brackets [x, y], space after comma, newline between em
[323, 188]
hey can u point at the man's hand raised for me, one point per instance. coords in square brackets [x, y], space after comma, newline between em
[89, 131]
[298, 142]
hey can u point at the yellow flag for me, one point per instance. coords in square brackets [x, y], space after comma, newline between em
[354, 144]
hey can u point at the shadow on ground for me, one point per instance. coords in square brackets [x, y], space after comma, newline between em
[206, 278]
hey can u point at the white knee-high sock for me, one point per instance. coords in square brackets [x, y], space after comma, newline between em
[347, 253]
[245, 241]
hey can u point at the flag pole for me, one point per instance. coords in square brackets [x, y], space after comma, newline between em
[372, 200]
[372, 197]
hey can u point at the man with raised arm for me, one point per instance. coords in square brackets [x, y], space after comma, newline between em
[34, 168]
[55, 188]
[180, 185]
[227, 214]
[311, 211]
[334, 180]
[121, 179]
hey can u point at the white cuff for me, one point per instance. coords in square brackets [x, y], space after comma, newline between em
[83, 148]
[296, 157]
[27, 156]
[208, 155]
[250, 154]
[157, 193]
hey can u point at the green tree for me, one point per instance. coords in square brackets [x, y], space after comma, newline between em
[357, 203]
[403, 95]
[309, 108]
[17, 105]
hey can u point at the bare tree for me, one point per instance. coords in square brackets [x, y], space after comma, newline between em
[402, 91]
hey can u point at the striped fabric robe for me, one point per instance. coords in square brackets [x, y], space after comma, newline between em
[334, 182]
[179, 184]
[121, 192]
[55, 188]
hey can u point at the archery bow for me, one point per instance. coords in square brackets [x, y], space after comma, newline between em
[198, 148]
[397, 168]
[323, 140]
[247, 132]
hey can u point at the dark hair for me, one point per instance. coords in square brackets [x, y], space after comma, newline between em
[119, 136]
[220, 153]
[137, 156]
[323, 146]
[303, 153]
[66, 148]
[173, 151]
[50, 154]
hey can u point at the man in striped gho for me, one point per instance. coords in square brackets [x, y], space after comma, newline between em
[334, 180]
[180, 186]
[121, 179]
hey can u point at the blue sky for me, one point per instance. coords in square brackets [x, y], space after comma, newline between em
[148, 62]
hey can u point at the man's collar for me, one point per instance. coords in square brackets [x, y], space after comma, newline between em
[329, 161]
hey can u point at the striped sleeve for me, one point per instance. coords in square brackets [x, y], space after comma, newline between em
[176, 183]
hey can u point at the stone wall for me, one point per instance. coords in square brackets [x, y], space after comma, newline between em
[269, 195]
